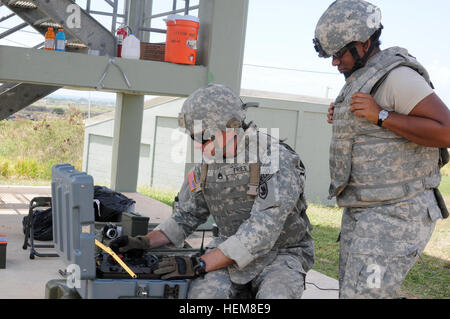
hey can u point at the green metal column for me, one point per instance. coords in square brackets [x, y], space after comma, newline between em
[128, 117]
[222, 40]
[139, 12]
[126, 142]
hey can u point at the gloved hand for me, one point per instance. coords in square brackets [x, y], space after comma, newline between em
[123, 244]
[180, 267]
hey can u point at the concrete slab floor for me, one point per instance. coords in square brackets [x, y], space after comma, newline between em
[24, 278]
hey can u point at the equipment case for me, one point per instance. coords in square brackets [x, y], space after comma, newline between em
[74, 240]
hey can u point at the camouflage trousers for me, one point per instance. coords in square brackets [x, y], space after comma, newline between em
[278, 280]
[379, 245]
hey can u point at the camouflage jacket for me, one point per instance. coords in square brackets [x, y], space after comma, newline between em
[252, 229]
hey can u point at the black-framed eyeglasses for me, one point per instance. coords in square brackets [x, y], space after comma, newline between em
[341, 52]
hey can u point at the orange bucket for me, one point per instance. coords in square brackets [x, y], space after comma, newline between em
[181, 41]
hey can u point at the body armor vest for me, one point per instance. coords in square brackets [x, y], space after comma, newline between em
[369, 164]
[227, 190]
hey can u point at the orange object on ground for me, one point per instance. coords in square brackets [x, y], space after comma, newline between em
[50, 39]
[181, 41]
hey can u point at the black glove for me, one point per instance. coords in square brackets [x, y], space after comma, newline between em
[177, 267]
[123, 244]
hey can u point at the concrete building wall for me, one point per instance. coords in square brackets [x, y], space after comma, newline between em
[300, 121]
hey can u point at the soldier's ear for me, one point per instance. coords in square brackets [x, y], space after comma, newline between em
[366, 46]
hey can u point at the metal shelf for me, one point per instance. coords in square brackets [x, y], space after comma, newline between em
[83, 71]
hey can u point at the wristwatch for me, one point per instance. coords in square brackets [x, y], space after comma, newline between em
[382, 116]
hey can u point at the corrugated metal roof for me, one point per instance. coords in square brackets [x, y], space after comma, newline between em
[285, 96]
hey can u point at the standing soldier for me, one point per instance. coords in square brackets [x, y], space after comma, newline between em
[253, 187]
[390, 138]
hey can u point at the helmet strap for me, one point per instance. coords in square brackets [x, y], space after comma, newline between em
[220, 152]
[359, 61]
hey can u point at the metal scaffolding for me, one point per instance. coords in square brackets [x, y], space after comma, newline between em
[31, 74]
[116, 10]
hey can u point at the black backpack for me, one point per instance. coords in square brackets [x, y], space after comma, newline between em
[109, 205]
[42, 224]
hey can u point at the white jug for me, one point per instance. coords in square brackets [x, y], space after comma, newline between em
[131, 47]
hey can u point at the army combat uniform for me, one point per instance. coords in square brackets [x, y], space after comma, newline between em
[385, 184]
[262, 223]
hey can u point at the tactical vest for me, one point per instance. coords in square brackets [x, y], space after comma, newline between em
[369, 164]
[230, 191]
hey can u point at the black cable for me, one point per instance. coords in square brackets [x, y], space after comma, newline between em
[425, 264]
[310, 283]
[334, 289]
[203, 239]
[289, 69]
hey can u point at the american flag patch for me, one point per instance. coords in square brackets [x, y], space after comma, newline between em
[191, 181]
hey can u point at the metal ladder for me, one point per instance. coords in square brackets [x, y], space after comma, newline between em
[82, 32]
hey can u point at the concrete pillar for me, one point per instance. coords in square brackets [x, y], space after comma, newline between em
[126, 142]
[139, 12]
[129, 115]
[222, 40]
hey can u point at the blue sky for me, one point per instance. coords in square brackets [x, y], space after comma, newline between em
[281, 36]
[279, 55]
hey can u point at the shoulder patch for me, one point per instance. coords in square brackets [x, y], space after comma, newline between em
[263, 189]
[191, 181]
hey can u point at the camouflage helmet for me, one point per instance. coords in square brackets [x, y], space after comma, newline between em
[216, 106]
[345, 21]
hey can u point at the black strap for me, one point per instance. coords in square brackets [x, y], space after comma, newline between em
[441, 203]
[378, 84]
[360, 61]
[380, 122]
[443, 157]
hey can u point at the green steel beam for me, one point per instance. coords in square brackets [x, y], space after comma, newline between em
[138, 12]
[128, 119]
[223, 25]
[82, 71]
[126, 142]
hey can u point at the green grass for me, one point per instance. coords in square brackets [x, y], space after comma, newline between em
[445, 185]
[24, 182]
[326, 223]
[430, 276]
[29, 149]
[446, 170]
[427, 280]
[164, 196]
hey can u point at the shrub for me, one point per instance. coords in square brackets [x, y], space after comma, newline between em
[26, 167]
[5, 170]
[446, 170]
[31, 148]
